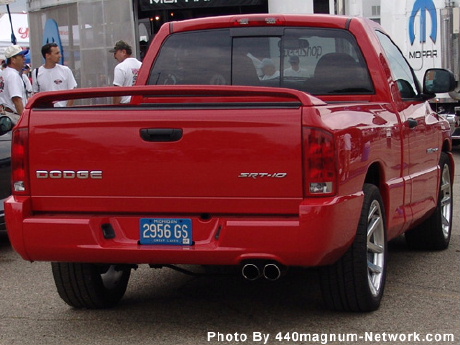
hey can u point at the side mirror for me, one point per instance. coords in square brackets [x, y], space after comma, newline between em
[6, 124]
[437, 80]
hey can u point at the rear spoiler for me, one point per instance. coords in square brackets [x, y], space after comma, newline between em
[178, 94]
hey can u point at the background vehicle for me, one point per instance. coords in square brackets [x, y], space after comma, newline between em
[218, 162]
[5, 170]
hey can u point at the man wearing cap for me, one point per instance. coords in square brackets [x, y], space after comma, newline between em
[126, 71]
[13, 93]
[52, 76]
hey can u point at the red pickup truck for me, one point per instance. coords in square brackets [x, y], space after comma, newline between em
[259, 141]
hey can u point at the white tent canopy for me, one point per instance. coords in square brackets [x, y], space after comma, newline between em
[21, 31]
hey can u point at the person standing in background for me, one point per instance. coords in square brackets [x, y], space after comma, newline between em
[1, 84]
[27, 80]
[53, 76]
[13, 93]
[125, 73]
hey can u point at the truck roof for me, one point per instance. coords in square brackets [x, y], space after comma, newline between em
[264, 19]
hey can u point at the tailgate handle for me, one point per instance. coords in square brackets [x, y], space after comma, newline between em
[161, 134]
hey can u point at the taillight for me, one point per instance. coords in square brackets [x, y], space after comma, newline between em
[19, 149]
[320, 162]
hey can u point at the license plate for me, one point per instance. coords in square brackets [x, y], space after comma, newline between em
[170, 231]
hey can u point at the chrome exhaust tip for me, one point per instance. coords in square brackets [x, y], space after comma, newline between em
[251, 272]
[272, 272]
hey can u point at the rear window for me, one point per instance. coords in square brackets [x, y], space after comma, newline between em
[319, 61]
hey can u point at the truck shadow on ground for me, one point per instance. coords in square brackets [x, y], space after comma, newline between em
[296, 292]
[224, 293]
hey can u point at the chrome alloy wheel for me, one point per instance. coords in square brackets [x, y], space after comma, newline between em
[446, 200]
[375, 248]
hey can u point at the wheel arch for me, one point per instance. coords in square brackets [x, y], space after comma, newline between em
[447, 149]
[446, 145]
[375, 175]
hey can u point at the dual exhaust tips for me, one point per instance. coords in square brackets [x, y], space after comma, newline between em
[254, 270]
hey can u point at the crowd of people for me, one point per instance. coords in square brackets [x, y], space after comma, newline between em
[18, 82]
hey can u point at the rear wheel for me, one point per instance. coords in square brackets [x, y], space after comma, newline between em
[92, 286]
[356, 282]
[435, 232]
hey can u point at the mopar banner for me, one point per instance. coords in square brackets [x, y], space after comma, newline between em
[424, 7]
[147, 5]
[423, 31]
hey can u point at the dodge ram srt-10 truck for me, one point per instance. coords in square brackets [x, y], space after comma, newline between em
[258, 141]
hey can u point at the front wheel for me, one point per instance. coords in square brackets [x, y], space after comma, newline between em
[356, 282]
[434, 233]
[92, 286]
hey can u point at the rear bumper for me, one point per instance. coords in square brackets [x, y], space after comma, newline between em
[319, 235]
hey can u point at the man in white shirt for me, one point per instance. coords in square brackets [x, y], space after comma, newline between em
[27, 82]
[125, 73]
[13, 94]
[52, 76]
[295, 70]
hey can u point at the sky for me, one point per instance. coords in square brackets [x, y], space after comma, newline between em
[17, 6]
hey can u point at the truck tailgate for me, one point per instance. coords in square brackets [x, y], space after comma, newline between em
[220, 157]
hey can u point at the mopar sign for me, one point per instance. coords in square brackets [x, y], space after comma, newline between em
[423, 6]
[427, 11]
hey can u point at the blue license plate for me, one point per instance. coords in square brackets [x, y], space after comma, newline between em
[170, 231]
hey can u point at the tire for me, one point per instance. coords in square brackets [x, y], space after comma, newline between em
[91, 286]
[356, 282]
[435, 232]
